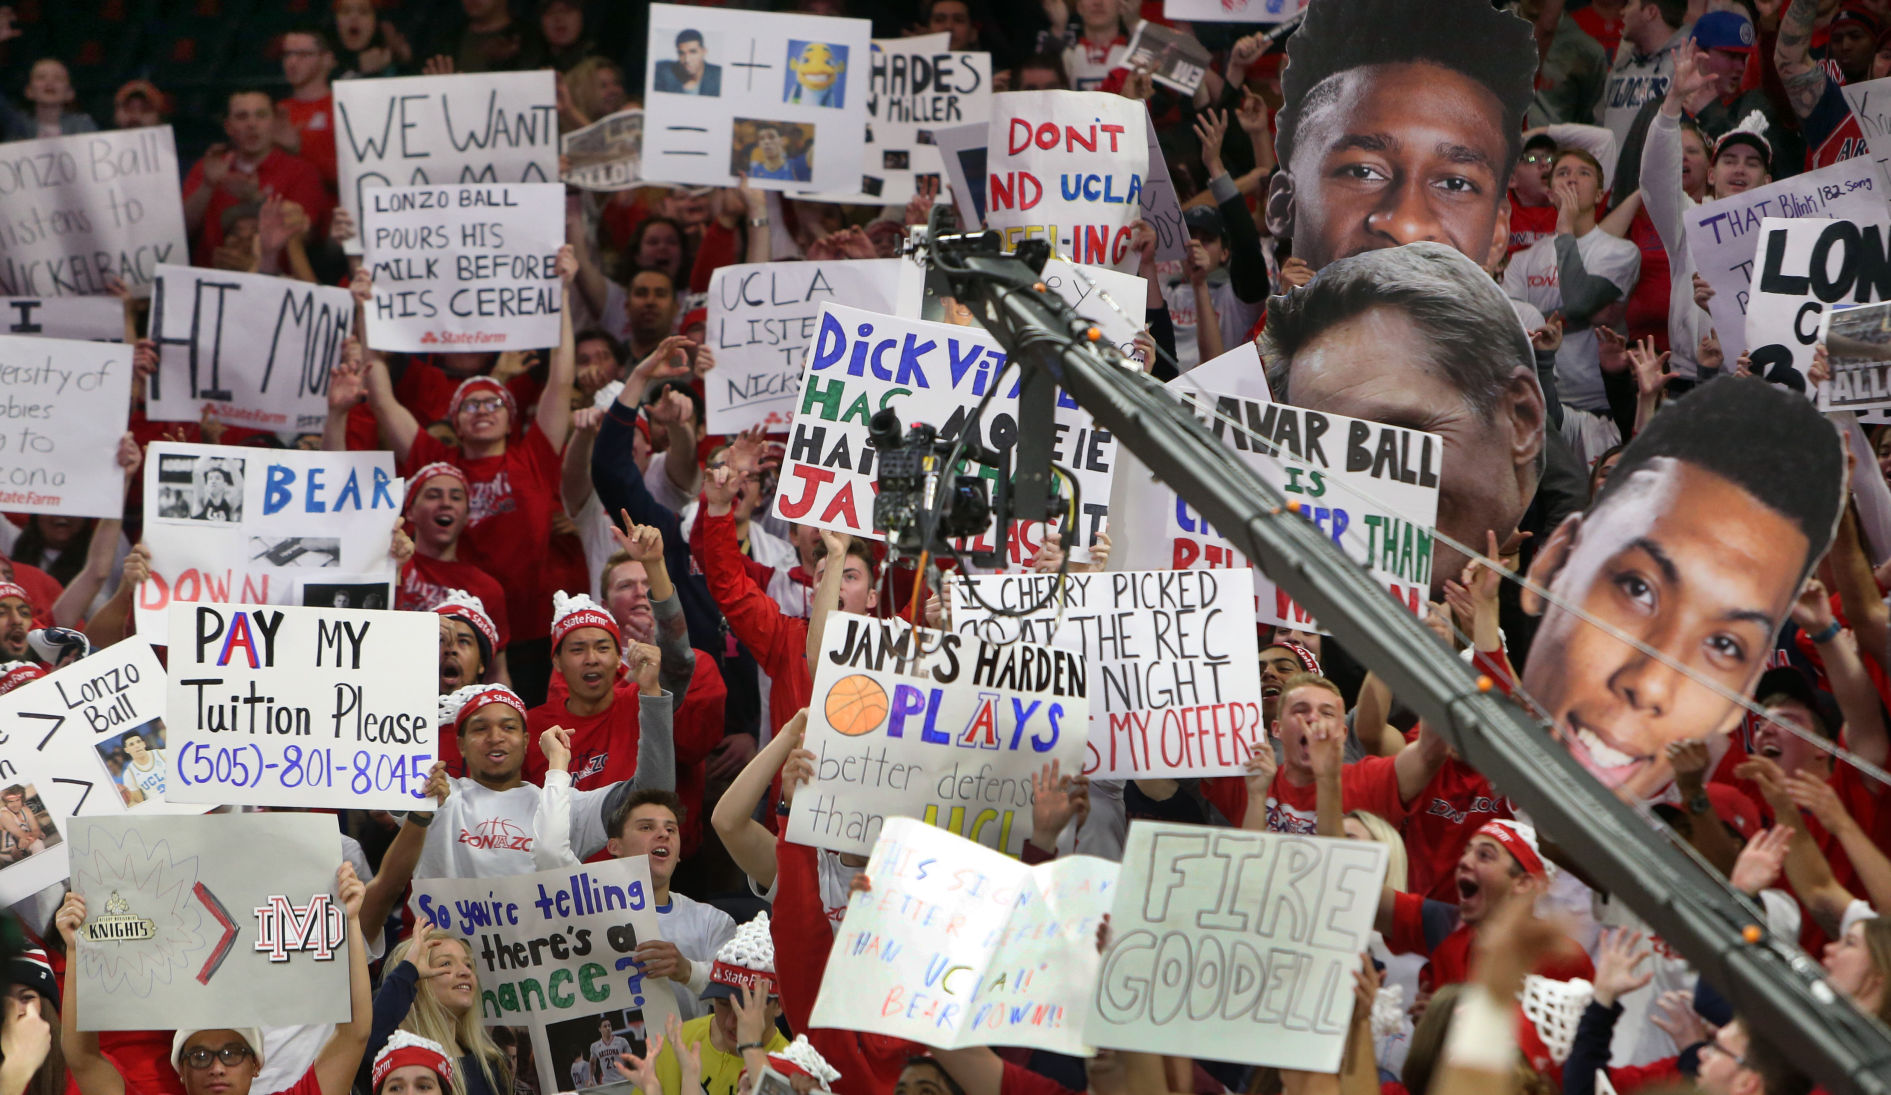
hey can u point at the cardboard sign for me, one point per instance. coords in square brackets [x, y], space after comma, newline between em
[962, 150]
[1232, 11]
[556, 943]
[95, 319]
[464, 267]
[1016, 968]
[1803, 268]
[68, 756]
[317, 707]
[1178, 677]
[63, 407]
[266, 527]
[1175, 60]
[916, 85]
[1870, 103]
[1160, 206]
[607, 154]
[256, 349]
[1236, 945]
[1068, 167]
[1115, 301]
[493, 127]
[227, 920]
[929, 372]
[1723, 236]
[944, 727]
[1858, 348]
[778, 99]
[84, 209]
[763, 317]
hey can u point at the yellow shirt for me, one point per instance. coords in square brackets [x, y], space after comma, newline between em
[721, 1071]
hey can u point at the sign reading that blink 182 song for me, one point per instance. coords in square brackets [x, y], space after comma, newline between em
[85, 210]
[273, 706]
[257, 350]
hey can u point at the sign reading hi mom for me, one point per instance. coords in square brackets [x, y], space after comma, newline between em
[940, 726]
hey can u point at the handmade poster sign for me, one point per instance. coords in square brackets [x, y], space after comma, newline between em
[256, 349]
[63, 407]
[310, 707]
[85, 210]
[1233, 11]
[1178, 685]
[1115, 301]
[607, 154]
[493, 127]
[1858, 349]
[1174, 59]
[763, 317]
[1803, 268]
[85, 741]
[778, 99]
[265, 526]
[962, 150]
[1236, 945]
[555, 944]
[1870, 103]
[96, 319]
[1017, 969]
[466, 266]
[1068, 167]
[928, 372]
[1723, 236]
[943, 727]
[207, 922]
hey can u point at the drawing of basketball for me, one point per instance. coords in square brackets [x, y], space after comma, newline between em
[856, 705]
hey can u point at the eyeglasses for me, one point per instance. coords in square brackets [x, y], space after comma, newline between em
[1538, 159]
[231, 1056]
[486, 404]
[1739, 1061]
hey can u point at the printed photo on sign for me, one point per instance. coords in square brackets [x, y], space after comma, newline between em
[763, 149]
[693, 72]
[26, 828]
[1804, 267]
[200, 488]
[138, 762]
[1174, 59]
[607, 154]
[1858, 348]
[815, 74]
[585, 1051]
[296, 551]
[366, 594]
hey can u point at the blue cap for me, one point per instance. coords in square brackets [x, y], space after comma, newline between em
[1730, 30]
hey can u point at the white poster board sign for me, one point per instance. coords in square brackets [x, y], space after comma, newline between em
[1858, 345]
[1173, 651]
[1232, 11]
[85, 209]
[493, 127]
[1016, 971]
[1115, 301]
[1068, 167]
[762, 319]
[95, 319]
[465, 266]
[66, 750]
[256, 349]
[1236, 945]
[1804, 268]
[1870, 103]
[1723, 236]
[307, 707]
[778, 99]
[63, 407]
[226, 920]
[928, 372]
[943, 727]
[266, 527]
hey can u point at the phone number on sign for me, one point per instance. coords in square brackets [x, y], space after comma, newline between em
[317, 769]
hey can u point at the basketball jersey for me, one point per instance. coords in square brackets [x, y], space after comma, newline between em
[607, 1054]
[149, 782]
[581, 1073]
[8, 842]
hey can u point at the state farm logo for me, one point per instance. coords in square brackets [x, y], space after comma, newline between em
[497, 834]
[460, 338]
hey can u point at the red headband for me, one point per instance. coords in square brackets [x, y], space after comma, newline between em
[413, 1055]
[461, 605]
[16, 674]
[584, 617]
[14, 589]
[485, 697]
[1523, 847]
[722, 973]
[437, 468]
[472, 383]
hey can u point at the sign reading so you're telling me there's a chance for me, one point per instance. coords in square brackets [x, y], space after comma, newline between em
[309, 707]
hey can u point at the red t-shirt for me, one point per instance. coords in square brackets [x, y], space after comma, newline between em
[512, 497]
[1444, 817]
[307, 1085]
[1606, 31]
[1647, 306]
[314, 120]
[1371, 784]
[1528, 224]
[279, 173]
[1431, 928]
[603, 746]
[424, 583]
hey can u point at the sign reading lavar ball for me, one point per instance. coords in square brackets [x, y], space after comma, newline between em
[1068, 167]
[947, 728]
[1240, 946]
[225, 920]
[464, 267]
[301, 706]
[84, 210]
[65, 403]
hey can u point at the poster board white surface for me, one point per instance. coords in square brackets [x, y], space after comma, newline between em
[1858, 349]
[255, 349]
[225, 920]
[464, 266]
[1172, 652]
[1017, 970]
[85, 209]
[762, 317]
[1068, 167]
[718, 82]
[1115, 301]
[1233, 11]
[1804, 268]
[492, 127]
[1870, 103]
[1175, 60]
[63, 406]
[265, 526]
[96, 319]
[943, 727]
[1236, 945]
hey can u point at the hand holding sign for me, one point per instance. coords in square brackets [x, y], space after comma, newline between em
[556, 743]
